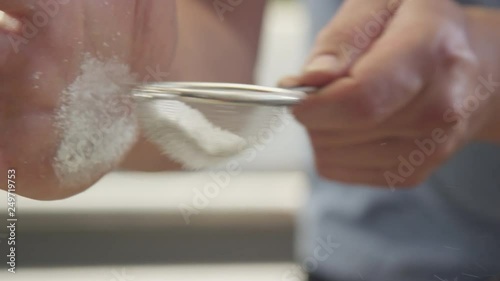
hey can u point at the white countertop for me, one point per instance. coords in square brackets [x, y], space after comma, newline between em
[145, 199]
[240, 272]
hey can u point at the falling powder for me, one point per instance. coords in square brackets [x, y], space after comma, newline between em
[98, 125]
[96, 122]
[186, 136]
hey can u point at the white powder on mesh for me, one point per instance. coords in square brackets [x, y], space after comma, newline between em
[186, 136]
[96, 122]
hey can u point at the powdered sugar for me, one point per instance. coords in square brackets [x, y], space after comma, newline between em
[186, 136]
[96, 122]
[97, 125]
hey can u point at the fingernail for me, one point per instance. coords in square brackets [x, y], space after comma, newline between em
[9, 23]
[289, 82]
[324, 63]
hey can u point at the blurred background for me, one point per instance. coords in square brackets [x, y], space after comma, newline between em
[183, 226]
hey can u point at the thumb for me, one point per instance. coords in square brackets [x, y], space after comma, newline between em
[17, 7]
[9, 23]
[346, 38]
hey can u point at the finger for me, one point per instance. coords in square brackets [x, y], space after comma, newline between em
[433, 112]
[371, 94]
[382, 154]
[347, 37]
[9, 23]
[18, 7]
[343, 137]
[448, 79]
[290, 82]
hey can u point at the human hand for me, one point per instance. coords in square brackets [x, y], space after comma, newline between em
[403, 88]
[56, 153]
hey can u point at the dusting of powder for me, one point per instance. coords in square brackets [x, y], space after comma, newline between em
[186, 135]
[96, 122]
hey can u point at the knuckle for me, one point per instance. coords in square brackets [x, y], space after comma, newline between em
[453, 49]
[364, 105]
[458, 57]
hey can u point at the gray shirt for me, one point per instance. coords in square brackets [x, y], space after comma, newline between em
[446, 229]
